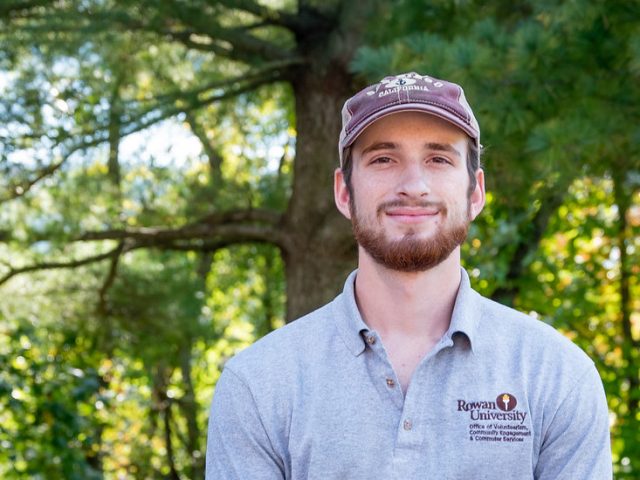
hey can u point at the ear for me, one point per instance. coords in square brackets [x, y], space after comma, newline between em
[477, 198]
[341, 193]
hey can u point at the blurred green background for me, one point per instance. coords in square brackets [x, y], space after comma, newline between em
[165, 198]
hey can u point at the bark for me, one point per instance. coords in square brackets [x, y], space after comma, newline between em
[114, 132]
[322, 249]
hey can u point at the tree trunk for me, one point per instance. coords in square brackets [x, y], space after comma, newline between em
[322, 250]
[115, 134]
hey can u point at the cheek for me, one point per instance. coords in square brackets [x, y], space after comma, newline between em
[369, 190]
[375, 185]
[456, 184]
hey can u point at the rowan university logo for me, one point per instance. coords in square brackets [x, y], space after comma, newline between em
[495, 420]
[506, 402]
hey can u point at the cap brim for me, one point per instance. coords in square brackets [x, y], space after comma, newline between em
[411, 107]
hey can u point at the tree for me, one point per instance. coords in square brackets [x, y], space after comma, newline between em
[124, 57]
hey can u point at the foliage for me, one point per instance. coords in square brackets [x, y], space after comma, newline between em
[164, 183]
[49, 390]
[579, 269]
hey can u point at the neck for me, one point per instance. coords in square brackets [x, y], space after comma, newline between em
[416, 304]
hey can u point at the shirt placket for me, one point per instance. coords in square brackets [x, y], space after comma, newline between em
[413, 433]
[382, 373]
[406, 410]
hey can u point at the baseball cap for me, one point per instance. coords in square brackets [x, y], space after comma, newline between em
[403, 93]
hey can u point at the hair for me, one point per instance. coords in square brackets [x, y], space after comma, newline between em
[473, 164]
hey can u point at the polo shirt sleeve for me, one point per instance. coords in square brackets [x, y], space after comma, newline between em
[576, 443]
[238, 445]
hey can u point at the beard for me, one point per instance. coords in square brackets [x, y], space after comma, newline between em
[412, 253]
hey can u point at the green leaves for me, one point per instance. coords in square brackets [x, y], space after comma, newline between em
[47, 395]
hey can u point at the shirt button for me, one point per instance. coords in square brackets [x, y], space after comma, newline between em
[371, 339]
[390, 383]
[407, 425]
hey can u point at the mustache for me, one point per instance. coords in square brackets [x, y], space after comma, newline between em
[411, 203]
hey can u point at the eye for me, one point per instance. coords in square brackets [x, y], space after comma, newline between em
[440, 160]
[380, 160]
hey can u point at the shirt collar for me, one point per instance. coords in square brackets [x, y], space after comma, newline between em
[465, 310]
[348, 319]
[351, 326]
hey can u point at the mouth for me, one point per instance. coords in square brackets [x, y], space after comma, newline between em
[412, 214]
[405, 212]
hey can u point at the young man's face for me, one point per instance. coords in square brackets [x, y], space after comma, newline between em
[410, 206]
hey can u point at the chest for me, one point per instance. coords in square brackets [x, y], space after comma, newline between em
[360, 425]
[405, 355]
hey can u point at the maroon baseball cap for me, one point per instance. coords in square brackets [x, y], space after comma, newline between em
[404, 93]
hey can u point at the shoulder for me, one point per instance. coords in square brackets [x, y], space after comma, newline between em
[540, 363]
[526, 339]
[287, 348]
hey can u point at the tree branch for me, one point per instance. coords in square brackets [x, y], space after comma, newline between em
[111, 276]
[208, 234]
[199, 98]
[60, 265]
[186, 23]
[20, 189]
[245, 47]
[169, 106]
[269, 15]
[12, 7]
[230, 87]
[211, 151]
[253, 225]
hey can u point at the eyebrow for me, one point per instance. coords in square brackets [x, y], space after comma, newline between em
[380, 146]
[442, 147]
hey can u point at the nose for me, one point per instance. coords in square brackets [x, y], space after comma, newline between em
[414, 181]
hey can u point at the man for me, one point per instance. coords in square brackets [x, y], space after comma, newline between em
[409, 373]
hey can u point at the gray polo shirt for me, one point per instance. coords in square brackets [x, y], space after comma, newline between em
[501, 395]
